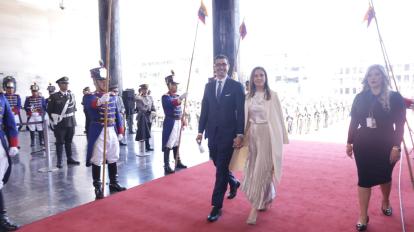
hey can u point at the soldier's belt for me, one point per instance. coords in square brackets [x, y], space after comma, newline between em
[68, 115]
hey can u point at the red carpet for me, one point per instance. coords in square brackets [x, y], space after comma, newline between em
[317, 193]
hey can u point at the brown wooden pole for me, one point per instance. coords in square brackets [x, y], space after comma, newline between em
[107, 66]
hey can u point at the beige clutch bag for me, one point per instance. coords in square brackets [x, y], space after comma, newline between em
[238, 160]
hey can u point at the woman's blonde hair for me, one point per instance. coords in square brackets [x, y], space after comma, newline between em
[384, 96]
[252, 91]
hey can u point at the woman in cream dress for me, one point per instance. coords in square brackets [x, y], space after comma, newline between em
[265, 135]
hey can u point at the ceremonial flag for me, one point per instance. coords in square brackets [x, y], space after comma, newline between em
[202, 13]
[243, 30]
[369, 15]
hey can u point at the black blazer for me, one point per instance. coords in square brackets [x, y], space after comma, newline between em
[223, 118]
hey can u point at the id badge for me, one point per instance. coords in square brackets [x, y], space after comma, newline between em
[371, 122]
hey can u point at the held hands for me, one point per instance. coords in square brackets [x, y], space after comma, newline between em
[103, 99]
[238, 142]
[13, 151]
[349, 151]
[395, 155]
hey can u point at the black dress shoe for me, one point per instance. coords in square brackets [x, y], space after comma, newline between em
[115, 187]
[214, 214]
[72, 162]
[6, 225]
[59, 166]
[362, 227]
[168, 170]
[149, 149]
[233, 191]
[387, 211]
[180, 165]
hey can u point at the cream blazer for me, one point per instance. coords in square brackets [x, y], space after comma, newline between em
[278, 135]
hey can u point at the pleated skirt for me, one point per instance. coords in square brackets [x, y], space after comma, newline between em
[258, 183]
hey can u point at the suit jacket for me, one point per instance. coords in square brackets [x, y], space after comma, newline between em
[223, 118]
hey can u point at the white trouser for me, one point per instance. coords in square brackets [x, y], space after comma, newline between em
[4, 164]
[17, 118]
[174, 136]
[36, 117]
[112, 147]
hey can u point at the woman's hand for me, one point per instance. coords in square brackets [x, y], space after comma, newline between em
[395, 154]
[349, 151]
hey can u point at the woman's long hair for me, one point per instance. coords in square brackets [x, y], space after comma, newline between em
[384, 96]
[252, 91]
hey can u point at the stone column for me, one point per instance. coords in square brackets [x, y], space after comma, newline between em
[115, 55]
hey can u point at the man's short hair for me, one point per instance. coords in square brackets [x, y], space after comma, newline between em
[221, 56]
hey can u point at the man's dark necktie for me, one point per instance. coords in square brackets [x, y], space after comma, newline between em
[219, 90]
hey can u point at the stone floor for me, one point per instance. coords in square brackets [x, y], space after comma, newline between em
[32, 195]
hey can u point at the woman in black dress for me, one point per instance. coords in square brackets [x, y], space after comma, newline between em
[375, 134]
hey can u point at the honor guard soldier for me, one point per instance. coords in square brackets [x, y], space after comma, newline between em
[9, 84]
[145, 109]
[35, 107]
[95, 105]
[86, 92]
[61, 109]
[171, 103]
[51, 90]
[8, 149]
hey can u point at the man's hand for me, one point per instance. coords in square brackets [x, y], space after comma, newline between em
[238, 141]
[349, 150]
[13, 151]
[199, 138]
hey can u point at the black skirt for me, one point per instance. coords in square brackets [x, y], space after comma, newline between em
[372, 148]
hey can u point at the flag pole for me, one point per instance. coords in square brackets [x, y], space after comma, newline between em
[185, 100]
[107, 64]
[391, 73]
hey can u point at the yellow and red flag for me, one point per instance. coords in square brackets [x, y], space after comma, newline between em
[369, 15]
[202, 12]
[243, 30]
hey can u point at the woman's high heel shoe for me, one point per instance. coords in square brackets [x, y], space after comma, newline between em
[387, 211]
[362, 227]
[251, 220]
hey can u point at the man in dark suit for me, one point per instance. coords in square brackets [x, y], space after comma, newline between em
[222, 114]
[61, 109]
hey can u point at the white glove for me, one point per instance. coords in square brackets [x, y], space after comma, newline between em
[120, 137]
[13, 151]
[103, 99]
[182, 96]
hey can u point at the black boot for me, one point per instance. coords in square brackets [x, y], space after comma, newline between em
[178, 163]
[147, 146]
[96, 175]
[167, 168]
[68, 150]
[113, 179]
[59, 151]
[41, 138]
[32, 138]
[5, 224]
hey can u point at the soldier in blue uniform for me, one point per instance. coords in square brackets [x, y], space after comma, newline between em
[95, 105]
[9, 84]
[35, 107]
[171, 103]
[8, 148]
[61, 109]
